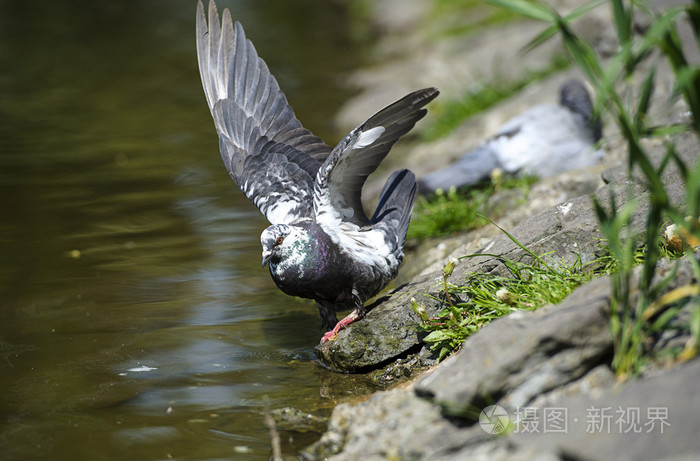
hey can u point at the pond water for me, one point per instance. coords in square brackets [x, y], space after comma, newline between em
[135, 319]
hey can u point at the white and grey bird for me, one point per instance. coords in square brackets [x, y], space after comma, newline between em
[545, 140]
[321, 244]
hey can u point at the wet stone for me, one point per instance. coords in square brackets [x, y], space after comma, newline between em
[293, 419]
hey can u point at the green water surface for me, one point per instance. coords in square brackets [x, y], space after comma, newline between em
[135, 320]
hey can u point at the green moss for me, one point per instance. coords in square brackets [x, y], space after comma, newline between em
[454, 211]
[444, 214]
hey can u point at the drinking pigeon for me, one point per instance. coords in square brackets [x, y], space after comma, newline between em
[545, 140]
[321, 244]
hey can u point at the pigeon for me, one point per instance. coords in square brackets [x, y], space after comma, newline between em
[545, 140]
[320, 245]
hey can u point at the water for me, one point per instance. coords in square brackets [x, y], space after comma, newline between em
[135, 320]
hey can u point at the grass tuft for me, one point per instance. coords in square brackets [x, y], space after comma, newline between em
[484, 297]
[448, 212]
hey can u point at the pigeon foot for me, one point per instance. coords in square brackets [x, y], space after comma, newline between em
[341, 325]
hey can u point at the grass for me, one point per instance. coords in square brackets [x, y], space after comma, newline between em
[446, 213]
[628, 107]
[481, 298]
[484, 297]
[452, 211]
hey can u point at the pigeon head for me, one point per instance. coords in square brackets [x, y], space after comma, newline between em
[273, 240]
[281, 243]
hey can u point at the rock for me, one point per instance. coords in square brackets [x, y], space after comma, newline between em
[517, 357]
[401, 370]
[605, 427]
[383, 335]
[555, 357]
[592, 384]
[390, 425]
[673, 435]
[293, 419]
[457, 63]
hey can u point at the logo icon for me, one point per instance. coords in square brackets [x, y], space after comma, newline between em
[494, 419]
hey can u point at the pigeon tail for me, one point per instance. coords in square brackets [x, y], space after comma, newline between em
[396, 202]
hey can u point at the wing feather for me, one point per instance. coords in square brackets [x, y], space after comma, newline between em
[339, 181]
[266, 150]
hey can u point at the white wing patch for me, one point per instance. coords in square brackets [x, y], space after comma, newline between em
[369, 247]
[366, 246]
[280, 211]
[368, 137]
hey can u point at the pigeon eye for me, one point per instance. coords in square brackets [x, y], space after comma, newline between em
[279, 240]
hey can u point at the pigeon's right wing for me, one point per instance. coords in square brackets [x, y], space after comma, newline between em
[268, 153]
[338, 188]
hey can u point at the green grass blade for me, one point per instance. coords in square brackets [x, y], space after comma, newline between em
[525, 8]
[623, 21]
[644, 101]
[693, 12]
[550, 31]
[582, 52]
[523, 247]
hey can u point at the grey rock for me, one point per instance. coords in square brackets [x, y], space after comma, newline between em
[413, 61]
[592, 383]
[401, 370]
[522, 355]
[293, 419]
[381, 336]
[686, 147]
[570, 230]
[673, 436]
[391, 425]
[554, 357]
[673, 394]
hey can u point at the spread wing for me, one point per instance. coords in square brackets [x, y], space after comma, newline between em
[267, 152]
[338, 187]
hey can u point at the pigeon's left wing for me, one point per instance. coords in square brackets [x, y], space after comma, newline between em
[268, 153]
[338, 187]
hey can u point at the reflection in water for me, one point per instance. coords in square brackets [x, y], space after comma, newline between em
[135, 321]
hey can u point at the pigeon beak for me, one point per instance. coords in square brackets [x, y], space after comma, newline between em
[266, 255]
